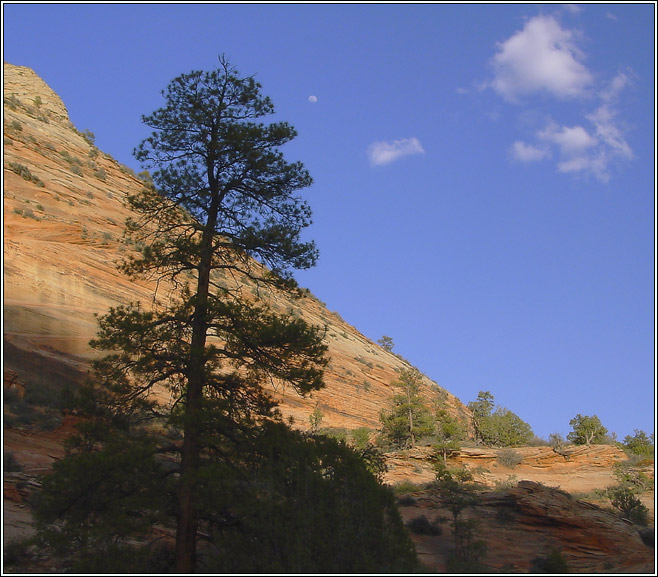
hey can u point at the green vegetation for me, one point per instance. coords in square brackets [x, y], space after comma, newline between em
[499, 428]
[24, 173]
[422, 526]
[586, 430]
[639, 444]
[449, 433]
[509, 458]
[408, 419]
[553, 563]
[457, 492]
[386, 343]
[89, 137]
[624, 498]
[216, 466]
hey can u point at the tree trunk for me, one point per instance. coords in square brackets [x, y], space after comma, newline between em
[186, 530]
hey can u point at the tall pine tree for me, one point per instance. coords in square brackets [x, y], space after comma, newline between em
[223, 201]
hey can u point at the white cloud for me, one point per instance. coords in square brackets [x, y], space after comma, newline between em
[385, 152]
[571, 140]
[527, 152]
[608, 132]
[543, 57]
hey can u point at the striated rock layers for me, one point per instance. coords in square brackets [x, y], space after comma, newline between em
[531, 521]
[64, 215]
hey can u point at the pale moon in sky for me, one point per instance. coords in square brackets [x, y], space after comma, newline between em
[313, 99]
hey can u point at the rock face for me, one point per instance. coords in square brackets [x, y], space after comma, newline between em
[64, 215]
[530, 521]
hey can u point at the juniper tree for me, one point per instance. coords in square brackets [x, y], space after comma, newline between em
[223, 203]
[586, 430]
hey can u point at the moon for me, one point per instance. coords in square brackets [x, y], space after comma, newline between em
[312, 99]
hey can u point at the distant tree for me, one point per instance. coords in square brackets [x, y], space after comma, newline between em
[386, 343]
[557, 442]
[449, 434]
[586, 430]
[500, 428]
[315, 419]
[455, 491]
[481, 410]
[409, 418]
[639, 444]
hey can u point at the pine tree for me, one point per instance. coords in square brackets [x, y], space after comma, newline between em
[223, 204]
[408, 419]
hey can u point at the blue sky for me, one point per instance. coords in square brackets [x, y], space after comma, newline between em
[484, 174]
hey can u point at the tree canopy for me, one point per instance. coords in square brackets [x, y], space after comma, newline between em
[408, 419]
[586, 430]
[178, 405]
[500, 428]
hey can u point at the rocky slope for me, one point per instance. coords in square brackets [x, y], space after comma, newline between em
[64, 211]
[530, 521]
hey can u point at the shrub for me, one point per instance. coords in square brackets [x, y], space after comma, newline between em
[509, 458]
[403, 487]
[422, 526]
[624, 499]
[100, 174]
[554, 562]
[24, 173]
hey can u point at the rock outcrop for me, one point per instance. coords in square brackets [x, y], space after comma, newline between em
[529, 522]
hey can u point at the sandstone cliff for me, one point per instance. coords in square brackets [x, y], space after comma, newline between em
[64, 215]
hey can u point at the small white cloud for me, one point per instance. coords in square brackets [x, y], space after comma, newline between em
[611, 16]
[385, 152]
[571, 140]
[543, 57]
[312, 99]
[527, 152]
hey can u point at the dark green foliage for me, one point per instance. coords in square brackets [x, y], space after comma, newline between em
[421, 525]
[639, 444]
[109, 489]
[309, 506]
[269, 500]
[456, 492]
[499, 428]
[449, 434]
[586, 430]
[623, 498]
[408, 419]
[553, 563]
